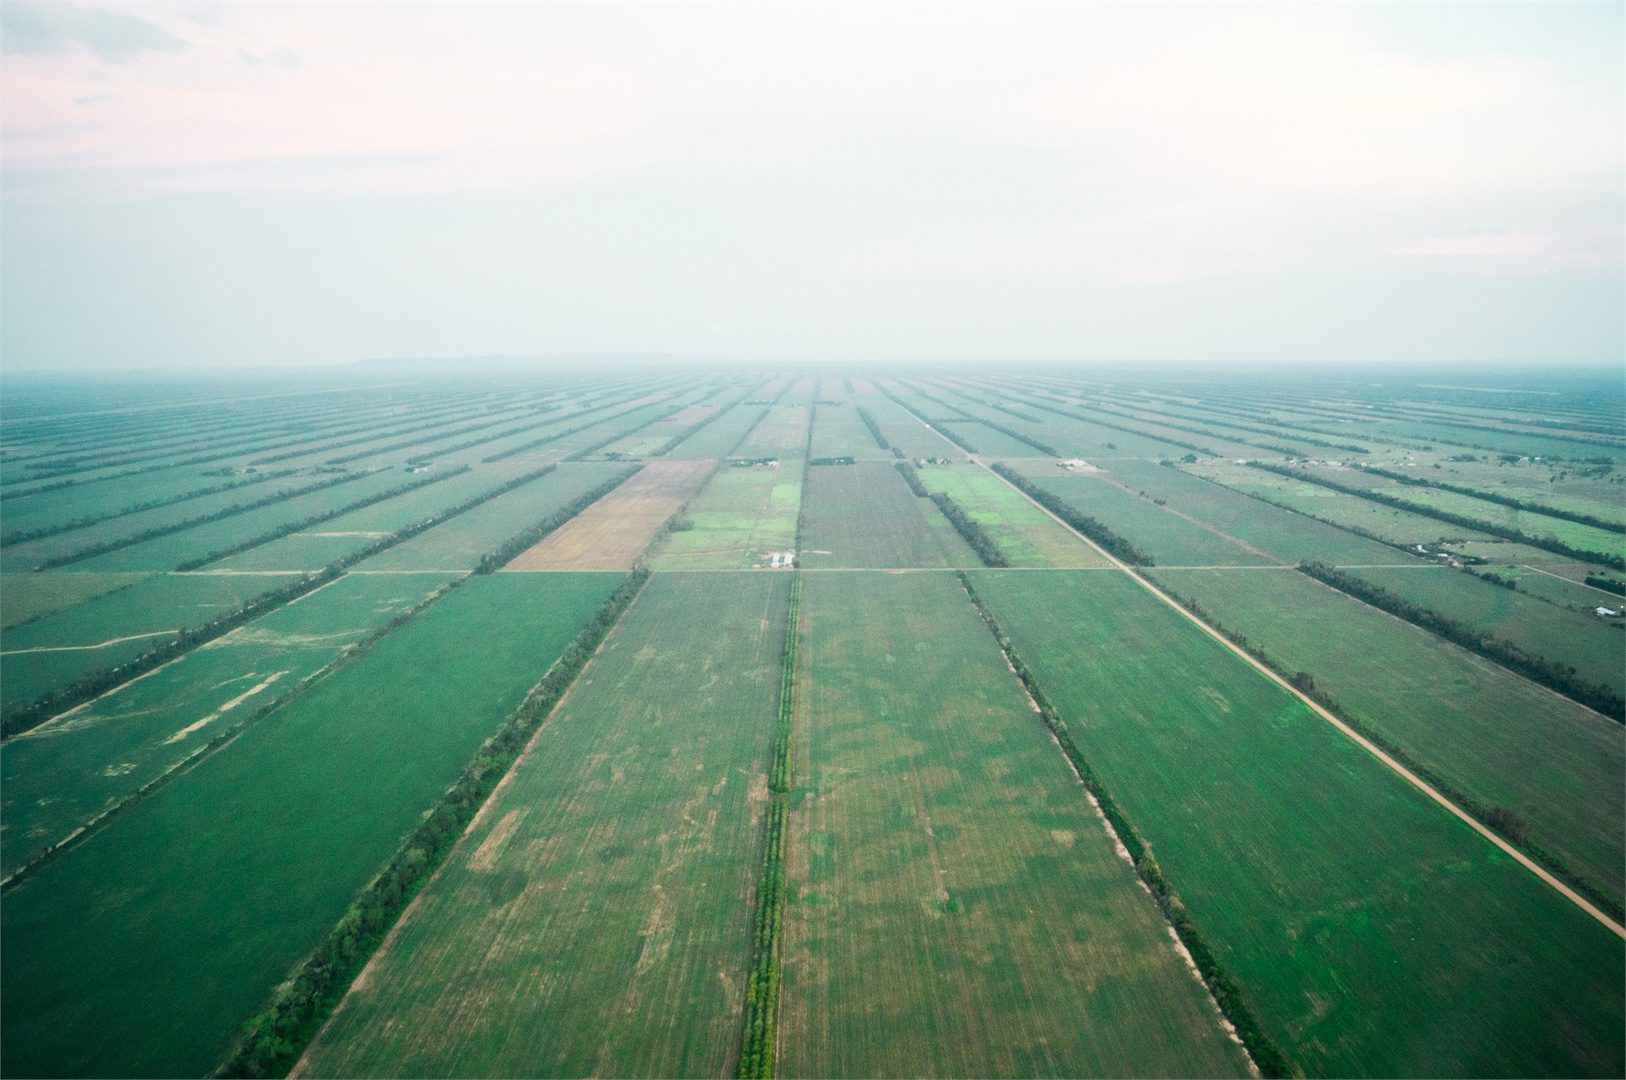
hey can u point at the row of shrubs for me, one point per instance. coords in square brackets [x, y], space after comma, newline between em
[281, 495]
[1549, 673]
[392, 447]
[1547, 543]
[1227, 994]
[99, 682]
[762, 985]
[372, 434]
[1116, 545]
[1497, 818]
[874, 428]
[135, 508]
[275, 1038]
[1498, 499]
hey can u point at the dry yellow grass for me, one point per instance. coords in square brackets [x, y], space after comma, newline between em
[614, 531]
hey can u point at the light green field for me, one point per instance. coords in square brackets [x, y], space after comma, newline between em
[28, 596]
[719, 438]
[143, 951]
[1025, 534]
[901, 428]
[1371, 932]
[956, 906]
[741, 516]
[596, 919]
[56, 777]
[1496, 736]
[865, 516]
[782, 433]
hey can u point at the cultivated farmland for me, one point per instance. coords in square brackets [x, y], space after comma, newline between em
[820, 723]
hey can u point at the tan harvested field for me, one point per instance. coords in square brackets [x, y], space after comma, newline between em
[955, 904]
[693, 414]
[614, 531]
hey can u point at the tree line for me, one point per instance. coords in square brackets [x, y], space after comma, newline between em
[96, 683]
[971, 530]
[1266, 1055]
[937, 426]
[1553, 544]
[274, 1039]
[1497, 818]
[1114, 544]
[762, 985]
[536, 411]
[1043, 448]
[60, 527]
[281, 495]
[1500, 500]
[1538, 669]
[874, 428]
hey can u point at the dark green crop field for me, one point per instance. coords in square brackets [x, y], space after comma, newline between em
[1372, 934]
[868, 759]
[142, 952]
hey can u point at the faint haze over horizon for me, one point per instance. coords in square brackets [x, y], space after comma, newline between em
[252, 185]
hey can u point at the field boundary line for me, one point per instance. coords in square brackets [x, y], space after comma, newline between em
[1412, 778]
[1572, 581]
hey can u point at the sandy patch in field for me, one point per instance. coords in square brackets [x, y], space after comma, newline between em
[614, 531]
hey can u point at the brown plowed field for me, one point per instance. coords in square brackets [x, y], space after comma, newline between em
[614, 531]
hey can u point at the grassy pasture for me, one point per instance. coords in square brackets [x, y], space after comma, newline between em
[1563, 584]
[740, 516]
[460, 543]
[955, 904]
[1580, 639]
[1498, 737]
[1372, 933]
[24, 597]
[599, 909]
[56, 777]
[110, 629]
[865, 516]
[614, 531]
[1171, 539]
[718, 438]
[143, 951]
[1025, 534]
[168, 552]
[1581, 537]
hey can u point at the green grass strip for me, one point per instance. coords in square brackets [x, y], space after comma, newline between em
[1557, 547]
[191, 523]
[1498, 819]
[1077, 519]
[757, 1041]
[1266, 1055]
[276, 1038]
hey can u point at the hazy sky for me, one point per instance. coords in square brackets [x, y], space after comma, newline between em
[245, 184]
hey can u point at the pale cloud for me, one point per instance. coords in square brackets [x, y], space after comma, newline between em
[51, 29]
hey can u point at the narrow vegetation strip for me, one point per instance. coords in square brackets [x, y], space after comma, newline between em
[1074, 517]
[1266, 1055]
[99, 682]
[1555, 676]
[276, 1037]
[1499, 819]
[224, 736]
[588, 451]
[191, 523]
[1552, 544]
[1499, 500]
[946, 432]
[874, 428]
[417, 441]
[1043, 448]
[491, 436]
[762, 988]
[495, 560]
[316, 519]
[136, 508]
[912, 478]
[971, 530]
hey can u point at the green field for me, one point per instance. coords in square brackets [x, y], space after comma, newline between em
[956, 906]
[56, 777]
[26, 597]
[1372, 933]
[51, 652]
[864, 515]
[138, 955]
[1025, 534]
[599, 909]
[743, 514]
[1496, 736]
